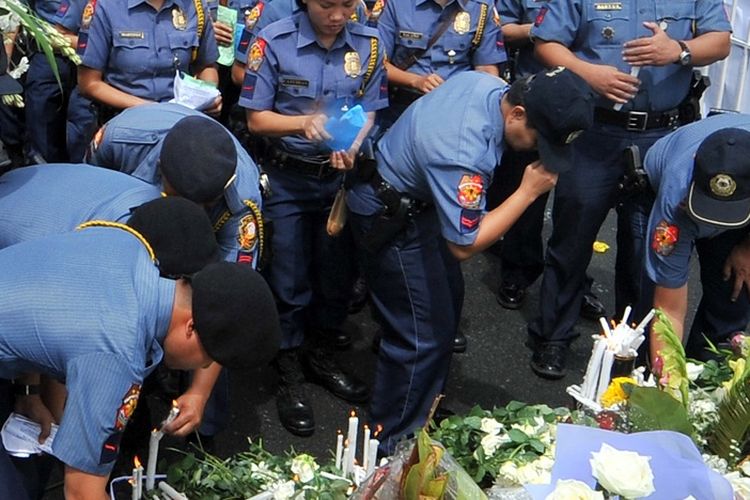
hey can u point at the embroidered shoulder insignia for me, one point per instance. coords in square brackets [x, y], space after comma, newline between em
[256, 54]
[470, 191]
[126, 409]
[665, 237]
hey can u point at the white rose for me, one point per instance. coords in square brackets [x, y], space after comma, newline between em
[693, 371]
[740, 485]
[304, 467]
[491, 426]
[745, 468]
[624, 473]
[570, 489]
[491, 442]
[283, 491]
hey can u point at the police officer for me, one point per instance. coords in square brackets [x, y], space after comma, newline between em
[701, 176]
[188, 154]
[607, 43]
[302, 70]
[82, 331]
[521, 250]
[132, 51]
[422, 210]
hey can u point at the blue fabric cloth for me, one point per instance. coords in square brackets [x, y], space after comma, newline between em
[138, 49]
[69, 14]
[89, 309]
[595, 32]
[36, 201]
[298, 76]
[522, 12]
[46, 9]
[406, 26]
[132, 142]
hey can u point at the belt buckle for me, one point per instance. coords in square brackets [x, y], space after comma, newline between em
[637, 121]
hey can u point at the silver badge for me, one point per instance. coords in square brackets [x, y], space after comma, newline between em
[722, 185]
[608, 32]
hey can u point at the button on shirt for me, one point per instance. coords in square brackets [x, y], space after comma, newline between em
[49, 199]
[297, 76]
[669, 164]
[407, 27]
[138, 49]
[444, 150]
[595, 31]
[132, 144]
[89, 309]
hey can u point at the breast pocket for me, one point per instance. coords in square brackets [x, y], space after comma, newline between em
[293, 86]
[181, 45]
[608, 23]
[408, 44]
[452, 48]
[131, 51]
[679, 17]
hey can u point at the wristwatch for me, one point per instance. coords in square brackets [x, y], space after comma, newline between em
[685, 56]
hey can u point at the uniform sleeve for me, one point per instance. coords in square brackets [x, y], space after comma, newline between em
[491, 49]
[387, 28]
[558, 21]
[670, 241]
[376, 92]
[98, 40]
[102, 395]
[459, 197]
[69, 14]
[711, 16]
[510, 11]
[261, 76]
[208, 50]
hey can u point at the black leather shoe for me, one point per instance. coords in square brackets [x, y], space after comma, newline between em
[359, 296]
[592, 308]
[548, 360]
[510, 295]
[460, 342]
[321, 368]
[295, 413]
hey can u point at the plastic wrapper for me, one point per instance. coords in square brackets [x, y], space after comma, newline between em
[345, 128]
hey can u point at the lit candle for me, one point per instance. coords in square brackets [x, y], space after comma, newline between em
[137, 479]
[339, 448]
[351, 437]
[365, 447]
[372, 449]
[153, 453]
[170, 492]
[345, 463]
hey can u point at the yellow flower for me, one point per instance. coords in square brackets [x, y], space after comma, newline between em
[600, 247]
[615, 394]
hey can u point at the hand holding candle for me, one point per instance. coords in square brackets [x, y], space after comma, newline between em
[153, 446]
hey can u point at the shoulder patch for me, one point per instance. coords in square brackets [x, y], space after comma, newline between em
[540, 16]
[252, 15]
[256, 54]
[110, 448]
[88, 15]
[470, 191]
[665, 237]
[248, 85]
[126, 409]
[377, 10]
[247, 236]
[469, 221]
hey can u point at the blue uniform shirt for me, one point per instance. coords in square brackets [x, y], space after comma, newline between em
[131, 143]
[56, 198]
[46, 9]
[406, 27]
[444, 150]
[672, 232]
[595, 31]
[290, 73]
[89, 309]
[522, 12]
[69, 14]
[138, 49]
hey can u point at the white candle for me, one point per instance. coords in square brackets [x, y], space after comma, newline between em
[170, 492]
[339, 448]
[605, 327]
[351, 437]
[372, 457]
[365, 447]
[133, 482]
[345, 463]
[644, 322]
[137, 480]
[153, 453]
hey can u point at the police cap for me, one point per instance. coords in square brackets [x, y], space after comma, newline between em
[235, 315]
[198, 158]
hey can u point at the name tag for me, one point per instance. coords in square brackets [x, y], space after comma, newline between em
[608, 6]
[411, 35]
[132, 34]
[295, 82]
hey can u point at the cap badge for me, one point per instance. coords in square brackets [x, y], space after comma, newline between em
[608, 32]
[555, 71]
[722, 185]
[352, 64]
[573, 136]
[462, 23]
[179, 21]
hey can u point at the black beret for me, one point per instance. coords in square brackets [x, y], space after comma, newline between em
[235, 315]
[180, 233]
[198, 157]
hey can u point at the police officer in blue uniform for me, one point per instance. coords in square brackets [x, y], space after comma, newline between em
[701, 176]
[186, 153]
[423, 209]
[101, 320]
[521, 250]
[607, 44]
[132, 50]
[301, 71]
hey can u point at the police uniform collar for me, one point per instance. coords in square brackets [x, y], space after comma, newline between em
[307, 36]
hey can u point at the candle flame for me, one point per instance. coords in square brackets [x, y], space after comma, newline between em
[353, 413]
[378, 429]
[338, 431]
[136, 461]
[174, 403]
[346, 443]
[366, 427]
[614, 325]
[295, 478]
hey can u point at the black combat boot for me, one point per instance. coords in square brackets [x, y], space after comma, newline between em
[295, 411]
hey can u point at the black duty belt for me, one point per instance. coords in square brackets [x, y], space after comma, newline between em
[314, 166]
[392, 198]
[638, 121]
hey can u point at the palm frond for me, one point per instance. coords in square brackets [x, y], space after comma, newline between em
[673, 354]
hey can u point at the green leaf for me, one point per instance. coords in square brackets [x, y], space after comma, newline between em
[652, 409]
[515, 405]
[537, 445]
[518, 436]
[473, 422]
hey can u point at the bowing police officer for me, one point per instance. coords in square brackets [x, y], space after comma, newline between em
[701, 176]
[423, 209]
[639, 58]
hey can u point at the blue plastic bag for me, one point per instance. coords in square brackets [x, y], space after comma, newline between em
[344, 130]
